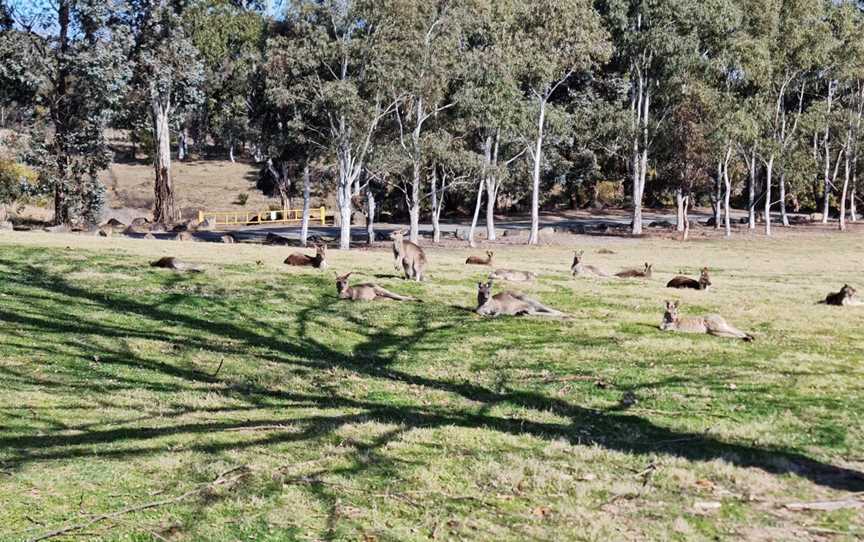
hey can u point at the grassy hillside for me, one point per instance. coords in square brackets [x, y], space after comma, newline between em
[249, 403]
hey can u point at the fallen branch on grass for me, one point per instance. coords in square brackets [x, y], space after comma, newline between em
[222, 479]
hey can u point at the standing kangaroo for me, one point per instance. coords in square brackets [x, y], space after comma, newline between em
[480, 260]
[318, 261]
[509, 303]
[686, 282]
[847, 296]
[408, 257]
[579, 268]
[712, 324]
[635, 273]
[365, 292]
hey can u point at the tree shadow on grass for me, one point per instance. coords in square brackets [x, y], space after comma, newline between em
[375, 357]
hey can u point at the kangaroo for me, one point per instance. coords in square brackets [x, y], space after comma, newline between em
[579, 268]
[318, 261]
[712, 324]
[408, 257]
[635, 273]
[170, 262]
[686, 282]
[509, 303]
[365, 292]
[847, 296]
[512, 275]
[480, 260]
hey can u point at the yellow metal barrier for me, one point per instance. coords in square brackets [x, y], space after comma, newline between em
[254, 218]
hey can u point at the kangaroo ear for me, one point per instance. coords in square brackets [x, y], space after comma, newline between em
[580, 252]
[676, 304]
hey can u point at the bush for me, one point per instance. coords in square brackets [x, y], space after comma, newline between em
[242, 198]
[16, 181]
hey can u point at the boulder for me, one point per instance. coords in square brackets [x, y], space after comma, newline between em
[105, 231]
[60, 228]
[149, 235]
[6, 226]
[140, 221]
[661, 224]
[816, 217]
[184, 236]
[209, 224]
[227, 238]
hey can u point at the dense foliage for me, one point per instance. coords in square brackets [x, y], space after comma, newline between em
[752, 103]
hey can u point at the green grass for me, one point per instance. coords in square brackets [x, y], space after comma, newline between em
[400, 421]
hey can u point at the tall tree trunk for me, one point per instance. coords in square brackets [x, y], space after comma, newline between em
[182, 147]
[304, 221]
[343, 201]
[164, 210]
[679, 204]
[686, 215]
[231, 151]
[60, 114]
[370, 215]
[414, 211]
[783, 216]
[751, 192]
[769, 169]
[436, 207]
[727, 193]
[476, 212]
[718, 196]
[534, 237]
[853, 211]
[491, 184]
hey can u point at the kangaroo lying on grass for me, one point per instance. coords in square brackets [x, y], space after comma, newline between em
[712, 324]
[635, 273]
[686, 282]
[365, 292]
[408, 257]
[318, 261]
[847, 296]
[579, 268]
[170, 262]
[512, 275]
[509, 303]
[480, 260]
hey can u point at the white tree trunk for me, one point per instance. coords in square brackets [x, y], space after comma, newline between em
[718, 196]
[370, 215]
[436, 207]
[164, 206]
[476, 213]
[679, 204]
[534, 237]
[751, 192]
[769, 169]
[783, 216]
[727, 193]
[304, 222]
[846, 178]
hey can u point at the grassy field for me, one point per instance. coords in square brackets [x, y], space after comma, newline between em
[249, 403]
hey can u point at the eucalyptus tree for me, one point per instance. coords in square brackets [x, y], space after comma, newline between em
[79, 61]
[490, 100]
[656, 43]
[323, 65]
[556, 39]
[419, 46]
[168, 79]
[229, 38]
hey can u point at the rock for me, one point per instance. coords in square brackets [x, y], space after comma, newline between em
[60, 228]
[382, 236]
[114, 223]
[6, 226]
[140, 221]
[105, 231]
[577, 229]
[227, 238]
[184, 236]
[462, 234]
[816, 217]
[135, 230]
[547, 230]
[21, 227]
[209, 224]
[744, 220]
[710, 222]
[183, 226]
[273, 239]
[149, 235]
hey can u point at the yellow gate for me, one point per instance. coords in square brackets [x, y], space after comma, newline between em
[256, 218]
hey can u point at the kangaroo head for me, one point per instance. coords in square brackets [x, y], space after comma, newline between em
[848, 291]
[578, 256]
[484, 292]
[704, 278]
[342, 282]
[490, 254]
[321, 250]
[398, 236]
[648, 267]
[671, 314]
